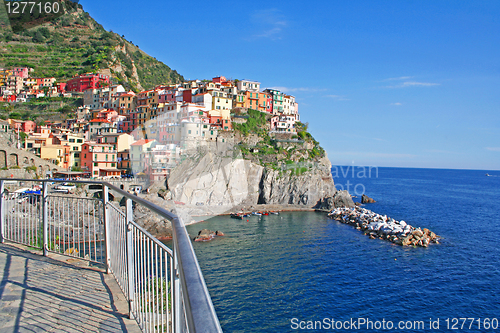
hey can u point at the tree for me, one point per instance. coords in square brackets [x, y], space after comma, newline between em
[38, 38]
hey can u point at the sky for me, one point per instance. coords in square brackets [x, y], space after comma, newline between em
[380, 83]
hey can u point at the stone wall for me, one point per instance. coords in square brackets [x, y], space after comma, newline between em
[15, 159]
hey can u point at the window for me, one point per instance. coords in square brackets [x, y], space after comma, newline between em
[189, 131]
[95, 156]
[95, 163]
[84, 155]
[112, 165]
[72, 140]
[75, 148]
[77, 155]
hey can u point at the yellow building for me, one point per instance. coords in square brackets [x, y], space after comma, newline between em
[220, 101]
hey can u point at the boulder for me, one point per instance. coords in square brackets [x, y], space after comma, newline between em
[366, 199]
[206, 235]
[164, 194]
[418, 233]
[343, 199]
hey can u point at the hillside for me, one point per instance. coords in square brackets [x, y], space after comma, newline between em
[41, 109]
[75, 43]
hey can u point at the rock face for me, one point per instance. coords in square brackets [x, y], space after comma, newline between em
[309, 189]
[209, 177]
[366, 199]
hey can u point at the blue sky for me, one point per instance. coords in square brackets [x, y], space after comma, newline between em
[381, 83]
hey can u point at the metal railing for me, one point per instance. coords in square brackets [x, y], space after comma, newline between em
[164, 287]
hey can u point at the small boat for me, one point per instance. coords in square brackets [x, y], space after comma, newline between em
[265, 213]
[488, 175]
[256, 213]
[274, 213]
[237, 216]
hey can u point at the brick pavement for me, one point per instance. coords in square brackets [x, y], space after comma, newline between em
[58, 294]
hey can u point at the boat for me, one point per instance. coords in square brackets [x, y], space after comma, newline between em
[265, 213]
[256, 213]
[274, 213]
[237, 216]
[488, 175]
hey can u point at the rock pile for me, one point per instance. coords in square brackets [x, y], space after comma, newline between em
[380, 226]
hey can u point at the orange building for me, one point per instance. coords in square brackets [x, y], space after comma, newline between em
[100, 160]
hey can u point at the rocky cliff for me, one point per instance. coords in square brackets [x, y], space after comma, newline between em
[216, 178]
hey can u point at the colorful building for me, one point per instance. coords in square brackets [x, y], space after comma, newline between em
[100, 160]
[86, 81]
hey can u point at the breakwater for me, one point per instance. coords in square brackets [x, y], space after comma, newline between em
[382, 227]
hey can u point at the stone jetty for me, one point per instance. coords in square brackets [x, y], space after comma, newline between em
[382, 227]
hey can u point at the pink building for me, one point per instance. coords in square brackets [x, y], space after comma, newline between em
[28, 126]
[22, 72]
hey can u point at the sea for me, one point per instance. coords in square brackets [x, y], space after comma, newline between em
[301, 271]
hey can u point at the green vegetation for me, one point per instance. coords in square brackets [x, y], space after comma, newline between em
[40, 109]
[293, 156]
[256, 123]
[75, 44]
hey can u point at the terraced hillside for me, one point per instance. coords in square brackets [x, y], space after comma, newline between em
[76, 43]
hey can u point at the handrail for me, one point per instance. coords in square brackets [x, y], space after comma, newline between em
[199, 312]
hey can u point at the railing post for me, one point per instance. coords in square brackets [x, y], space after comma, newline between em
[2, 211]
[130, 258]
[105, 194]
[177, 293]
[45, 220]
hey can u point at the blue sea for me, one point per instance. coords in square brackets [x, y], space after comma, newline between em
[281, 273]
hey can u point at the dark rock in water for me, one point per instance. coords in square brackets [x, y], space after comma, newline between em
[342, 199]
[206, 235]
[326, 204]
[357, 203]
[366, 199]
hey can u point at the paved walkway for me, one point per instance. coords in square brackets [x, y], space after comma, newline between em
[58, 294]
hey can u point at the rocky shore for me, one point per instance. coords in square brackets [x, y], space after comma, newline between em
[382, 227]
